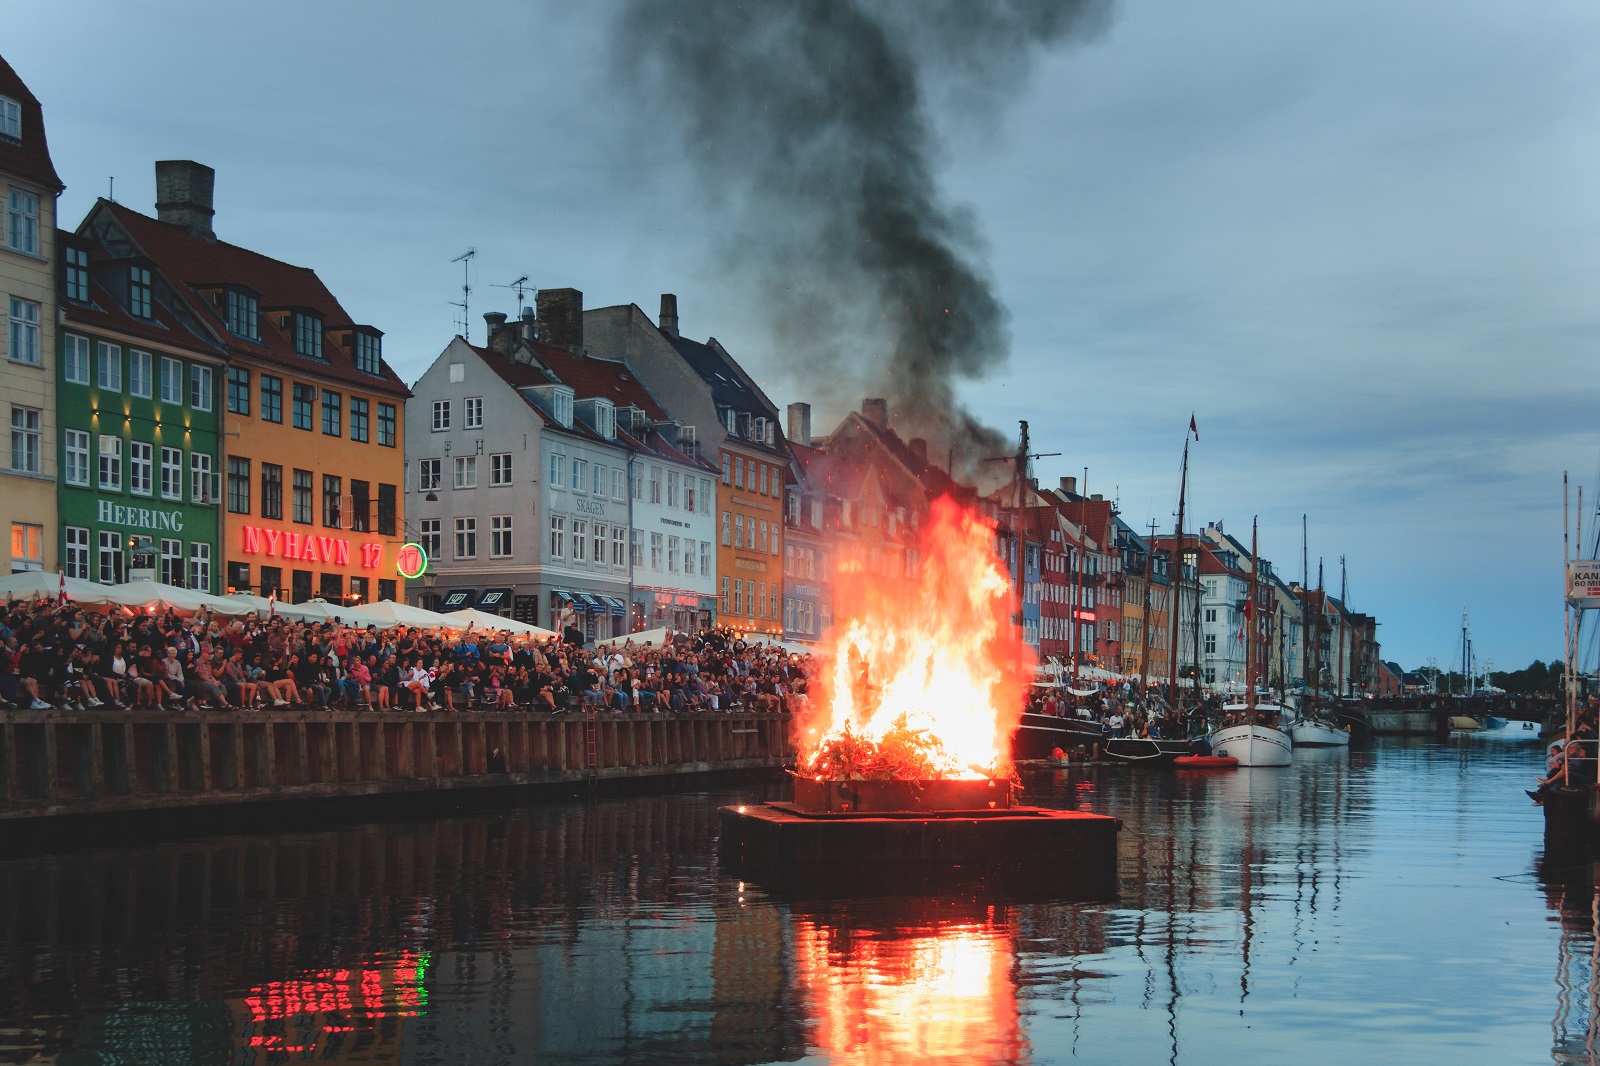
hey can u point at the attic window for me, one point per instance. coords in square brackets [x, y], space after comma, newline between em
[10, 118]
[731, 418]
[605, 419]
[244, 315]
[139, 291]
[308, 335]
[561, 406]
[369, 353]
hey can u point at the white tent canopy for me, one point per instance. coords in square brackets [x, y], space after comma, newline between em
[654, 637]
[386, 614]
[147, 593]
[485, 622]
[36, 584]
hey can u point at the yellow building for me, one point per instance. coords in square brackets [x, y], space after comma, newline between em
[314, 462]
[28, 191]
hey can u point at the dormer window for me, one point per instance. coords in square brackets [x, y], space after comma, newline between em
[139, 291]
[10, 118]
[308, 335]
[605, 419]
[731, 420]
[561, 406]
[77, 274]
[369, 353]
[244, 315]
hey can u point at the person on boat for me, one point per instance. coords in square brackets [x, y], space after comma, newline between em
[1200, 744]
[1570, 771]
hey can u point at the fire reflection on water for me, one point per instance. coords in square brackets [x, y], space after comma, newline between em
[934, 993]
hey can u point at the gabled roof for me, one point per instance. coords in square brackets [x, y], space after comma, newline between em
[104, 313]
[193, 264]
[29, 158]
[589, 378]
[934, 480]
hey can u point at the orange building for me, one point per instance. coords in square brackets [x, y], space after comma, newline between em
[313, 461]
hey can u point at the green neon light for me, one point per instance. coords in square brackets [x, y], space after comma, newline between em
[422, 557]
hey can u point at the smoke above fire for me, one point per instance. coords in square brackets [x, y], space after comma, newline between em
[809, 126]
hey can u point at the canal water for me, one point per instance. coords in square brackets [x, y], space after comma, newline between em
[1392, 905]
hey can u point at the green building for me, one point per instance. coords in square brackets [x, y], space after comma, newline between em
[139, 390]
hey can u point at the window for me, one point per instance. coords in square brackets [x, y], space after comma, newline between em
[619, 546]
[331, 587]
[472, 413]
[738, 474]
[369, 353]
[27, 546]
[10, 118]
[332, 413]
[360, 506]
[302, 497]
[738, 595]
[271, 399]
[299, 585]
[558, 536]
[139, 291]
[75, 359]
[172, 473]
[656, 540]
[561, 406]
[441, 415]
[672, 554]
[171, 380]
[272, 580]
[580, 540]
[427, 474]
[600, 480]
[243, 315]
[138, 373]
[764, 479]
[77, 471]
[110, 457]
[616, 482]
[1211, 614]
[386, 588]
[110, 551]
[500, 536]
[725, 473]
[672, 488]
[500, 468]
[387, 512]
[332, 492]
[109, 377]
[688, 557]
[1211, 643]
[358, 419]
[305, 399]
[238, 390]
[750, 477]
[431, 536]
[200, 566]
[201, 488]
[727, 529]
[77, 564]
[725, 601]
[705, 495]
[238, 485]
[635, 548]
[171, 572]
[688, 493]
[466, 471]
[738, 531]
[580, 475]
[635, 481]
[140, 467]
[598, 554]
[271, 490]
[22, 222]
[705, 558]
[308, 335]
[605, 420]
[24, 332]
[386, 426]
[655, 483]
[200, 388]
[78, 288]
[558, 470]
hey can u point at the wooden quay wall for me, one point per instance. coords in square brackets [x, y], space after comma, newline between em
[55, 763]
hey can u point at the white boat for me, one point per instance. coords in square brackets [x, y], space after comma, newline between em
[1314, 733]
[1254, 744]
[1512, 729]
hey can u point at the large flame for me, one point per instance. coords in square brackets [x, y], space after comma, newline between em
[929, 669]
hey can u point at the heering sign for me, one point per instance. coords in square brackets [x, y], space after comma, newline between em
[116, 514]
[308, 547]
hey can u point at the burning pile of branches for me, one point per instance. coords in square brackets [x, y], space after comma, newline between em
[902, 754]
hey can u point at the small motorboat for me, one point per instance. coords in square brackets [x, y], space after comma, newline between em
[1144, 751]
[1514, 729]
[1205, 762]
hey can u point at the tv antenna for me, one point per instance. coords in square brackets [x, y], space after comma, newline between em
[465, 259]
[521, 286]
[1023, 460]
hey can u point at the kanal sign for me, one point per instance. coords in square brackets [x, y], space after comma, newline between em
[1583, 583]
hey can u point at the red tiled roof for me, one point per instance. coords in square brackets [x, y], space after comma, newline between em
[192, 264]
[31, 158]
[606, 379]
[104, 313]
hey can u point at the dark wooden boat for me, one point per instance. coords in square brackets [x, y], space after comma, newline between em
[1144, 751]
[1038, 735]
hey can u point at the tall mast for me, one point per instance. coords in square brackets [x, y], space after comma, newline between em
[1175, 568]
[1305, 618]
[1344, 606]
[1567, 611]
[1250, 627]
[1144, 636]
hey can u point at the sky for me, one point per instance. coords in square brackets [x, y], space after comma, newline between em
[1357, 241]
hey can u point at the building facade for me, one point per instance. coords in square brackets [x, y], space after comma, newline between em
[29, 189]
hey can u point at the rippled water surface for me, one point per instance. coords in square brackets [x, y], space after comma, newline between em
[1393, 905]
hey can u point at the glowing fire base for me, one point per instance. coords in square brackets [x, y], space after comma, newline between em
[899, 797]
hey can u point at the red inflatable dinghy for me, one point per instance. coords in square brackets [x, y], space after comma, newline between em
[1205, 762]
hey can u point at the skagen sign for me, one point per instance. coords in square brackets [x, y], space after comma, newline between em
[116, 514]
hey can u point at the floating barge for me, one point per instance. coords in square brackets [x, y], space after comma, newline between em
[904, 835]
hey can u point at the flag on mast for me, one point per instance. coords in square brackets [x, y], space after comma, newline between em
[61, 593]
[1192, 428]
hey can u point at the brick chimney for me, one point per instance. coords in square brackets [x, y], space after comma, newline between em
[498, 339]
[668, 319]
[876, 411]
[799, 423]
[919, 448]
[561, 319]
[1069, 485]
[183, 195]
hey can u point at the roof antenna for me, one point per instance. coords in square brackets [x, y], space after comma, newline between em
[465, 259]
[521, 286]
[111, 193]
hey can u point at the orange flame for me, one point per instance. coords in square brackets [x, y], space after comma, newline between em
[929, 670]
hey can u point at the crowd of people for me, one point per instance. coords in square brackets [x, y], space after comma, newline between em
[63, 655]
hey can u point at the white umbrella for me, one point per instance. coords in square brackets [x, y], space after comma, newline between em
[493, 623]
[386, 614]
[147, 593]
[36, 584]
[653, 637]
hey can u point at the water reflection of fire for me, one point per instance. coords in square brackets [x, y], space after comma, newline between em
[929, 671]
[939, 994]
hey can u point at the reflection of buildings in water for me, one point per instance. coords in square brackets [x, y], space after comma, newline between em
[893, 988]
[1569, 876]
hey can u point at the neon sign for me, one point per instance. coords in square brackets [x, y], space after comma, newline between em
[308, 547]
[412, 561]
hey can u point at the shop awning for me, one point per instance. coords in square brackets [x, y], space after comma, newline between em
[458, 599]
[593, 604]
[564, 596]
[494, 599]
[617, 606]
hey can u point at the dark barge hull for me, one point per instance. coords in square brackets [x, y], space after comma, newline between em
[1144, 751]
[1040, 734]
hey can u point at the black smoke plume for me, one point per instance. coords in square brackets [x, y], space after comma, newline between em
[808, 123]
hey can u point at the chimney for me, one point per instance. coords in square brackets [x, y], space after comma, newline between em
[668, 319]
[496, 321]
[799, 415]
[561, 312]
[1069, 485]
[1097, 498]
[183, 195]
[530, 325]
[919, 448]
[876, 411]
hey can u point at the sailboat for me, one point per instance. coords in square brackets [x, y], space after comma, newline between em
[1256, 740]
[1311, 729]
